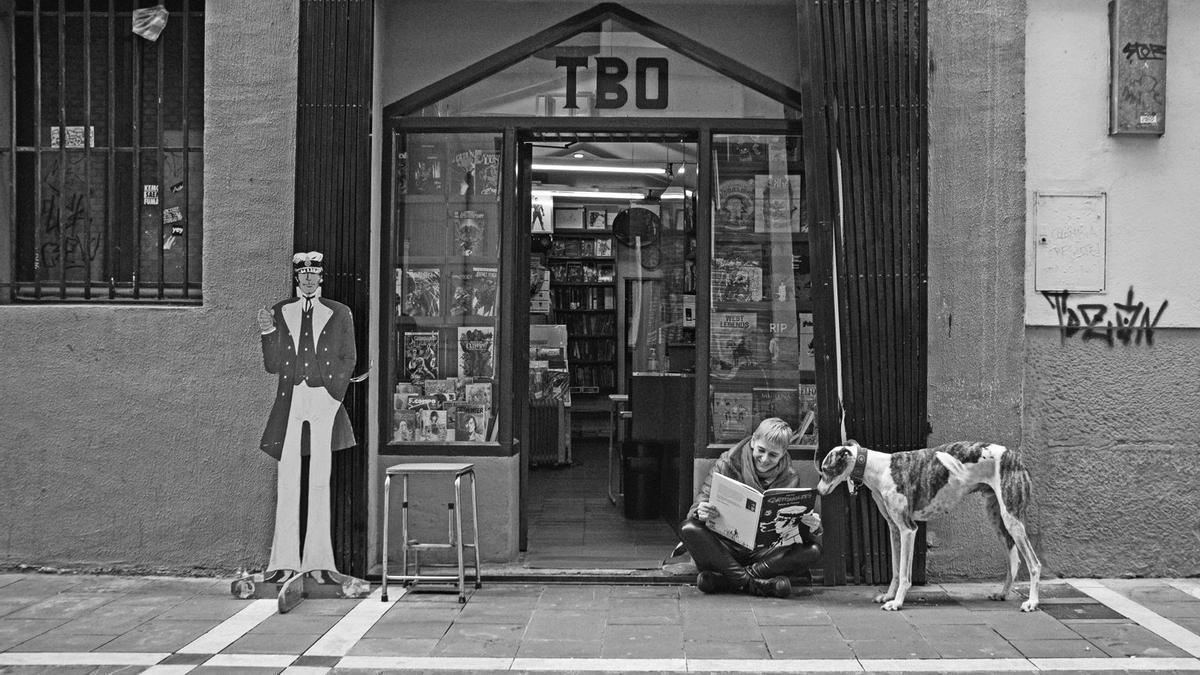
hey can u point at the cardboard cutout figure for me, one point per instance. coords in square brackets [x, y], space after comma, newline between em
[308, 341]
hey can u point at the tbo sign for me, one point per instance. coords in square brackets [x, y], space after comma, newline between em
[610, 77]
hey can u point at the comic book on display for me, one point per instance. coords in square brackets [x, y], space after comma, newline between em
[470, 423]
[735, 206]
[433, 425]
[806, 431]
[473, 292]
[420, 351]
[736, 343]
[756, 519]
[404, 425]
[781, 402]
[732, 416]
[478, 393]
[779, 201]
[477, 172]
[422, 288]
[428, 174]
[470, 233]
[806, 355]
[783, 346]
[737, 274]
[476, 351]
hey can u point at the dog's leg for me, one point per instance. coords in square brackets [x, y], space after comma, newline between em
[1012, 492]
[992, 503]
[894, 541]
[908, 541]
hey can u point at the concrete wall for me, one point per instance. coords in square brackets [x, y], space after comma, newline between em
[132, 442]
[1108, 430]
[976, 246]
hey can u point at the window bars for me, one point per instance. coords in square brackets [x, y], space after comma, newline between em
[106, 153]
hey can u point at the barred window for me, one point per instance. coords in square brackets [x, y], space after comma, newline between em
[106, 152]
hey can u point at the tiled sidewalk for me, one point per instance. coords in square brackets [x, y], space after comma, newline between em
[67, 623]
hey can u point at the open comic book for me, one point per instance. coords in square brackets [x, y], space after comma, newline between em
[756, 519]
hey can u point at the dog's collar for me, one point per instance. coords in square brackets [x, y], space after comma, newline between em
[860, 464]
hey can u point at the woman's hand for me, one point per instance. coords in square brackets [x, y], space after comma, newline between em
[705, 510]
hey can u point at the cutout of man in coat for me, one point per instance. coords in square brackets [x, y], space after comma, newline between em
[308, 341]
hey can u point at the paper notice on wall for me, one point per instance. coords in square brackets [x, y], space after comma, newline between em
[172, 215]
[150, 195]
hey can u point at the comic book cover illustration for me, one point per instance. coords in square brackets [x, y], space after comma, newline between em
[780, 203]
[405, 423]
[737, 274]
[781, 402]
[420, 351]
[470, 233]
[760, 520]
[428, 173]
[736, 343]
[735, 206]
[422, 288]
[433, 425]
[732, 416]
[470, 423]
[476, 351]
[479, 393]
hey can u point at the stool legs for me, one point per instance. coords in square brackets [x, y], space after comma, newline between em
[475, 530]
[387, 490]
[462, 582]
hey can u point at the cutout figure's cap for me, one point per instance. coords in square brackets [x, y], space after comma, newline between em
[312, 261]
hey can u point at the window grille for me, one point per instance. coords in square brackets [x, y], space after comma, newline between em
[106, 153]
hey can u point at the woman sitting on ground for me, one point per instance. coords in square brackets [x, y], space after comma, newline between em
[762, 462]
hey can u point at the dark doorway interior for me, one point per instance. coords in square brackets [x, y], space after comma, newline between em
[592, 255]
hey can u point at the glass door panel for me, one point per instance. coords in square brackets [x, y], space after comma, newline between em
[445, 249]
[761, 361]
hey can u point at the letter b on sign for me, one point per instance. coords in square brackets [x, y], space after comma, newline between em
[611, 73]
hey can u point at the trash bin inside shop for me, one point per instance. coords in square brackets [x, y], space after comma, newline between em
[642, 467]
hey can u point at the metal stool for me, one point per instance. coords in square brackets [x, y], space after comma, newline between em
[454, 525]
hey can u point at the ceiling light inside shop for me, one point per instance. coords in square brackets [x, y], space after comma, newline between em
[589, 194]
[591, 167]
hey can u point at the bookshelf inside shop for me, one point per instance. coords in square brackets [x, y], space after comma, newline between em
[446, 253]
[761, 361]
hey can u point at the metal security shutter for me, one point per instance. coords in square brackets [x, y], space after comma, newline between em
[333, 202]
[866, 76]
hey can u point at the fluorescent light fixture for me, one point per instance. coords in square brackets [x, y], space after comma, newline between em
[591, 194]
[601, 168]
[675, 192]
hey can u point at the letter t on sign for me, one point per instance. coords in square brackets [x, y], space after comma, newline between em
[571, 63]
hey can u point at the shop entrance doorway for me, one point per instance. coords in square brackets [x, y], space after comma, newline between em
[612, 272]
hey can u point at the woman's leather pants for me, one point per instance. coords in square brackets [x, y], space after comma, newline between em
[738, 564]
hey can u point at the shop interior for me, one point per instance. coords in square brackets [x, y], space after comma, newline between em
[612, 251]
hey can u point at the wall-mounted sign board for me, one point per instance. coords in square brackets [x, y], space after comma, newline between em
[1069, 241]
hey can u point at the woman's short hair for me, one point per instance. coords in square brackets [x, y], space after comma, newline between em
[774, 432]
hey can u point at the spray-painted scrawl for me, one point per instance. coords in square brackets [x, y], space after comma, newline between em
[1127, 322]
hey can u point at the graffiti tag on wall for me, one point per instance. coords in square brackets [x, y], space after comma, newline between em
[1125, 322]
[70, 239]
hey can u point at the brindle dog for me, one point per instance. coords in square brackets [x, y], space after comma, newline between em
[921, 484]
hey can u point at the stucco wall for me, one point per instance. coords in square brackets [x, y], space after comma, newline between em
[976, 248]
[134, 440]
[1111, 428]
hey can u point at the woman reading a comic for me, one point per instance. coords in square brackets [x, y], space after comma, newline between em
[760, 461]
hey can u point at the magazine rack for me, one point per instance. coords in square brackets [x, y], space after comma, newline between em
[454, 526]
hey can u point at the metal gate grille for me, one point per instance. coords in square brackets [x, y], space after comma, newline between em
[333, 201]
[867, 80]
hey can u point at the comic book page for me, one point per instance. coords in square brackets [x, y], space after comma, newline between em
[758, 520]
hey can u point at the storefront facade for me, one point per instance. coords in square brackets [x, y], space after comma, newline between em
[137, 453]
